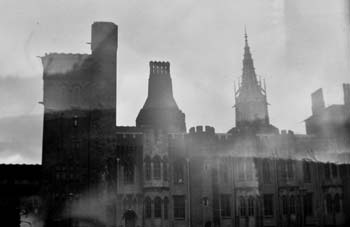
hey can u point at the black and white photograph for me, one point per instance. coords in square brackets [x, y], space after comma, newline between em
[175, 113]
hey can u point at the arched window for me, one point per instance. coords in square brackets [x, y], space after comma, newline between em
[157, 207]
[242, 206]
[179, 175]
[166, 207]
[292, 208]
[165, 169]
[156, 167]
[329, 204]
[148, 207]
[337, 203]
[250, 206]
[266, 172]
[147, 168]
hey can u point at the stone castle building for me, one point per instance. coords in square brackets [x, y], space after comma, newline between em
[155, 173]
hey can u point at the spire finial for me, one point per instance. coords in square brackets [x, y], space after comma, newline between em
[245, 35]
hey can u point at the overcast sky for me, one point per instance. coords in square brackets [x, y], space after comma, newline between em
[297, 46]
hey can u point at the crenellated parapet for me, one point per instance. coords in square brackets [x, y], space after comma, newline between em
[159, 68]
[198, 130]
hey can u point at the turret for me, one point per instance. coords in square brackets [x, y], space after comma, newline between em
[160, 110]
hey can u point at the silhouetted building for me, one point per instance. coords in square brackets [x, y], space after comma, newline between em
[332, 121]
[156, 174]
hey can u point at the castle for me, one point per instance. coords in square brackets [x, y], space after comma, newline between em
[157, 174]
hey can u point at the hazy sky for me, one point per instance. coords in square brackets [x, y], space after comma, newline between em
[297, 46]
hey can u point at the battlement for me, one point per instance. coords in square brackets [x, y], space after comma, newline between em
[159, 67]
[199, 129]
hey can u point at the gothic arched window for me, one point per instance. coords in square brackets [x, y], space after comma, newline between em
[147, 168]
[157, 207]
[156, 167]
[148, 207]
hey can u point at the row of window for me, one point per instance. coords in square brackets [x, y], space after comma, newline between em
[158, 165]
[247, 205]
[158, 203]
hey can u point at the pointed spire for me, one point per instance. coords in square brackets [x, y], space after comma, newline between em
[245, 36]
[248, 76]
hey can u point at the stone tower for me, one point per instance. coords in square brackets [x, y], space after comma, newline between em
[160, 110]
[250, 98]
[79, 110]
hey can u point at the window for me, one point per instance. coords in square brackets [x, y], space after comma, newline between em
[179, 172]
[156, 168]
[334, 171]
[147, 168]
[266, 172]
[308, 208]
[250, 206]
[165, 170]
[225, 206]
[292, 208]
[129, 173]
[329, 205]
[307, 172]
[179, 207]
[166, 207]
[268, 205]
[327, 171]
[284, 205]
[337, 203]
[148, 207]
[157, 207]
[242, 206]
